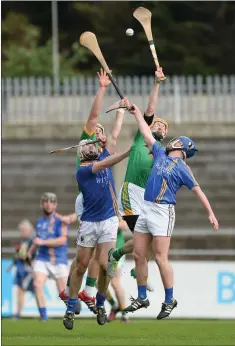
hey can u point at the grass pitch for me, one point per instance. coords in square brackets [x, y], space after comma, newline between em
[138, 332]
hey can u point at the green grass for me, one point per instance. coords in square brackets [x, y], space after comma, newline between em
[138, 332]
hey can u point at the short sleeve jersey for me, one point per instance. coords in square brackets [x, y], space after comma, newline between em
[140, 163]
[167, 176]
[51, 228]
[98, 189]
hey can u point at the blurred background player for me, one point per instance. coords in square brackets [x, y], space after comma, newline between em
[131, 197]
[99, 222]
[156, 221]
[24, 273]
[51, 245]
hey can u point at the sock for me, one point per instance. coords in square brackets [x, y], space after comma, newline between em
[43, 313]
[66, 291]
[90, 284]
[118, 253]
[100, 299]
[168, 295]
[142, 292]
[133, 273]
[112, 302]
[72, 304]
[123, 313]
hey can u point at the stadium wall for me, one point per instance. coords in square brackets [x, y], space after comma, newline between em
[203, 290]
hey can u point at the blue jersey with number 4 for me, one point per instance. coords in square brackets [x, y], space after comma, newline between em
[167, 176]
[98, 191]
[51, 227]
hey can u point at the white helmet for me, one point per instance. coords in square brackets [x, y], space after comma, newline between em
[83, 154]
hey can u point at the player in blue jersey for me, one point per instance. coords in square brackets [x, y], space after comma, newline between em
[51, 245]
[156, 221]
[99, 223]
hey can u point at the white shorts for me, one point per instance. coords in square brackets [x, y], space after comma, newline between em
[92, 233]
[131, 199]
[157, 219]
[54, 271]
[79, 205]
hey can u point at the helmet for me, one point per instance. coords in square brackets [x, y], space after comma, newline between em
[49, 196]
[100, 127]
[185, 144]
[158, 135]
[86, 156]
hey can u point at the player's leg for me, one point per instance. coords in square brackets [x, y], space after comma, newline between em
[87, 295]
[161, 224]
[40, 276]
[103, 280]
[20, 301]
[120, 294]
[83, 257]
[129, 203]
[64, 294]
[150, 288]
[71, 269]
[142, 241]
[114, 305]
[86, 242]
[60, 274]
[107, 240]
[160, 249]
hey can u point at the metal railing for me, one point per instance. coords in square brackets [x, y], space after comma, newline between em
[181, 99]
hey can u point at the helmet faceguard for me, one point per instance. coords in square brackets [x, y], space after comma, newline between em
[87, 154]
[185, 144]
[158, 134]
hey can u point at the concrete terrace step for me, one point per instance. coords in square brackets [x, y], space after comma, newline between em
[28, 170]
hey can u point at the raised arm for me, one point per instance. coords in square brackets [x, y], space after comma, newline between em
[97, 103]
[206, 204]
[109, 161]
[153, 98]
[144, 128]
[112, 139]
[68, 219]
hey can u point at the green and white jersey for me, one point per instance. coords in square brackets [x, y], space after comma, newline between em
[140, 163]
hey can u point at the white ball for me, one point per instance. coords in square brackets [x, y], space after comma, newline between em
[129, 32]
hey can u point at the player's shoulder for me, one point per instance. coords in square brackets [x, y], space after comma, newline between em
[57, 217]
[104, 154]
[39, 220]
[86, 133]
[183, 164]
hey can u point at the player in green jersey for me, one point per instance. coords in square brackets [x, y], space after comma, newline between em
[139, 166]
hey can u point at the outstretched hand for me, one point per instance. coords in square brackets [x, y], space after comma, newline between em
[104, 78]
[214, 222]
[133, 109]
[102, 140]
[159, 74]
